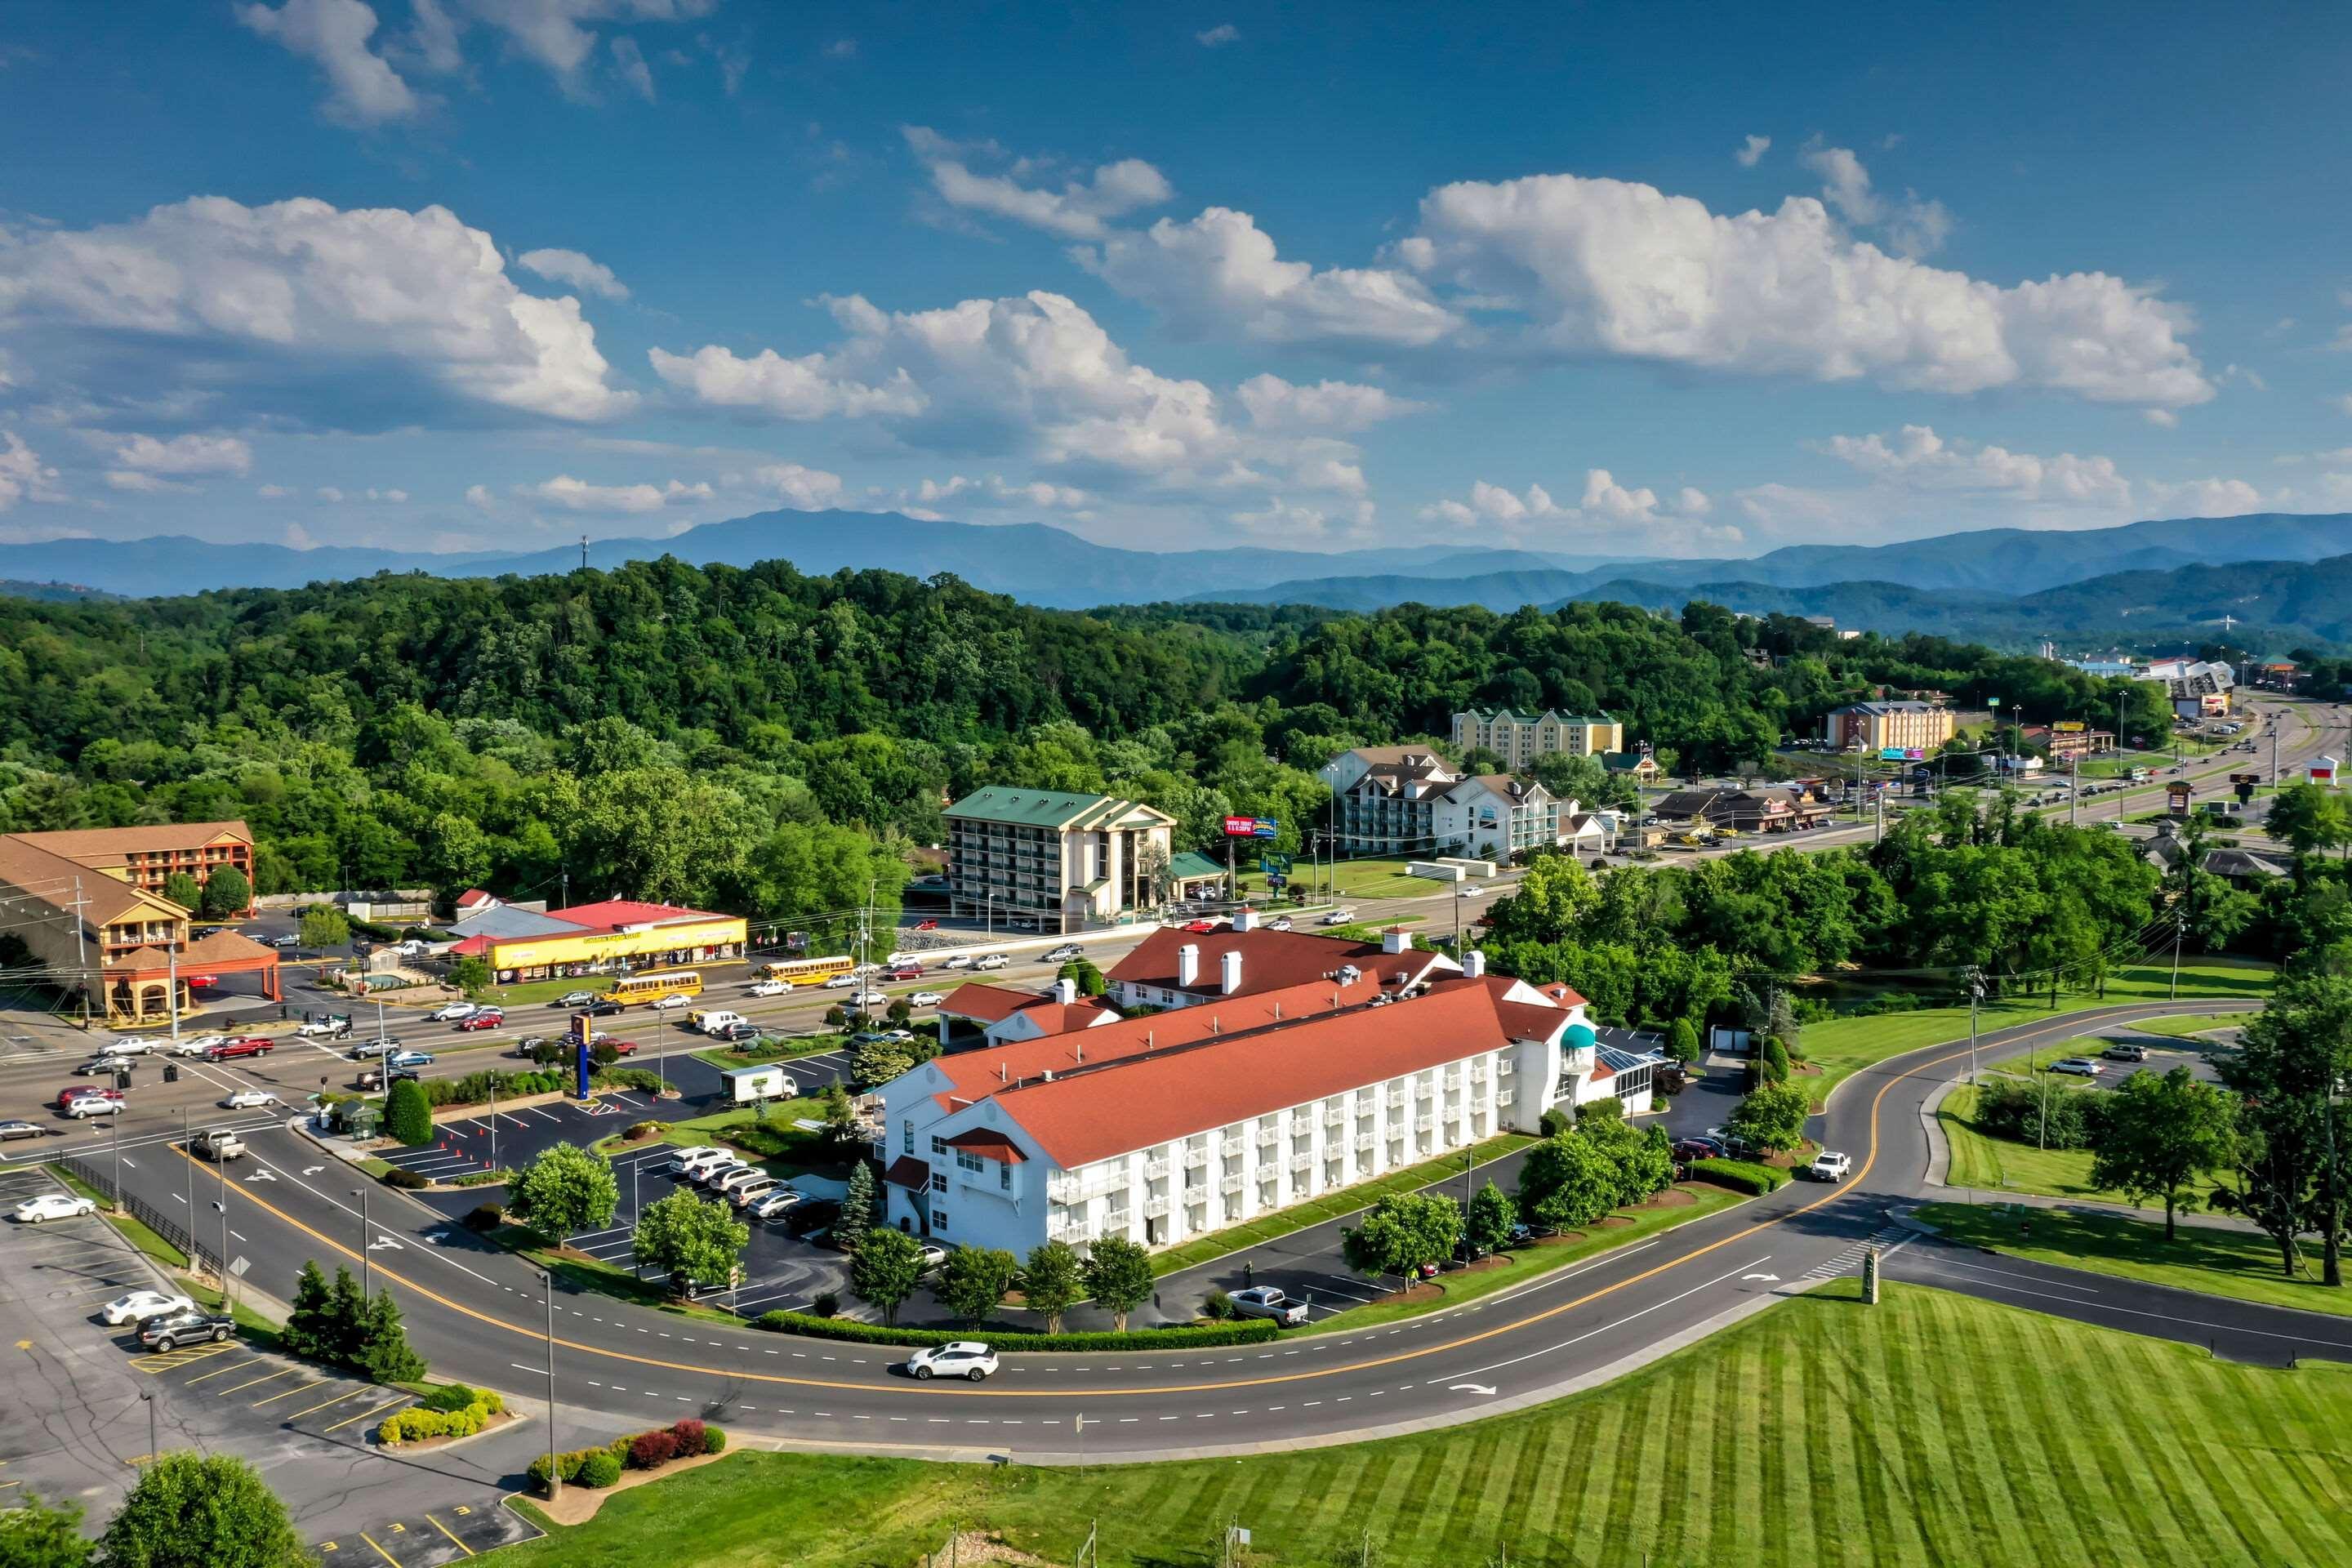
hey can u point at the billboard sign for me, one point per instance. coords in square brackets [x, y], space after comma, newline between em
[1241, 826]
[2068, 727]
[1264, 827]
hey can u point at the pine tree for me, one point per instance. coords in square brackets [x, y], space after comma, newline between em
[858, 1213]
[384, 1352]
[339, 1340]
[306, 1326]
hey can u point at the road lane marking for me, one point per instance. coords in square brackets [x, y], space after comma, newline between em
[354, 1393]
[453, 1540]
[256, 1360]
[298, 1388]
[380, 1552]
[364, 1414]
[265, 1377]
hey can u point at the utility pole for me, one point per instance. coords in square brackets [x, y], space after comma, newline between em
[1976, 995]
[116, 1120]
[187, 1147]
[2179, 927]
[360, 1194]
[554, 1478]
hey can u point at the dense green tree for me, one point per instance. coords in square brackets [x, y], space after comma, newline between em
[184, 890]
[382, 1349]
[860, 1211]
[226, 893]
[1773, 1117]
[566, 1190]
[885, 1269]
[194, 1510]
[1567, 1180]
[1490, 1216]
[1118, 1276]
[974, 1280]
[1052, 1282]
[688, 1236]
[2159, 1135]
[2295, 1159]
[323, 925]
[309, 1329]
[33, 1534]
[1402, 1233]
[407, 1115]
[471, 974]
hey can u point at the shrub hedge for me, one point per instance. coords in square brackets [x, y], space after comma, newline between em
[436, 1417]
[1257, 1331]
[1740, 1175]
[649, 1450]
[599, 1469]
[400, 1176]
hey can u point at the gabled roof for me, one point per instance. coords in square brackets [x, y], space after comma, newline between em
[1271, 960]
[908, 1172]
[110, 845]
[986, 1003]
[1056, 808]
[1191, 865]
[614, 913]
[989, 1145]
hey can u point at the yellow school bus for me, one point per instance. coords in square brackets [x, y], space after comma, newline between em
[807, 971]
[633, 989]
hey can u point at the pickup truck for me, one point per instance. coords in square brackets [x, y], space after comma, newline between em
[1268, 1301]
[335, 1026]
[218, 1144]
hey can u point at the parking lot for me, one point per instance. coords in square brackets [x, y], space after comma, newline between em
[88, 1408]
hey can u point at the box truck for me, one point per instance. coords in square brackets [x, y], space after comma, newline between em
[745, 1085]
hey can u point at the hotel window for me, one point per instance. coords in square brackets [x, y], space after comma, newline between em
[939, 1181]
[1004, 1178]
[938, 1144]
[907, 1138]
[967, 1161]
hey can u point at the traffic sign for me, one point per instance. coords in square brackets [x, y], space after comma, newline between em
[1275, 864]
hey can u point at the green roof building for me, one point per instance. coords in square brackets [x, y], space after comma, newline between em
[1053, 861]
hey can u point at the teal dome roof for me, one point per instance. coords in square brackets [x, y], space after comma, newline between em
[1579, 1037]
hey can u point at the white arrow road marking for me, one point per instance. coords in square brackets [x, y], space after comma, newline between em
[381, 1242]
[260, 1176]
[313, 1170]
[1775, 1278]
[1471, 1388]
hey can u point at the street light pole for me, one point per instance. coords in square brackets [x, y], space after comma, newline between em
[147, 1398]
[360, 1194]
[554, 1476]
[187, 1148]
[116, 1120]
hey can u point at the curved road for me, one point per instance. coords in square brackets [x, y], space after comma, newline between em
[478, 1314]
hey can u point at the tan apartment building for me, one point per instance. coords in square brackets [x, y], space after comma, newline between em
[1519, 739]
[1885, 726]
[1053, 860]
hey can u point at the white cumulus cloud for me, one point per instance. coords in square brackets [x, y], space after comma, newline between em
[1916, 456]
[191, 454]
[578, 494]
[1750, 151]
[1598, 267]
[306, 280]
[1076, 210]
[1218, 36]
[1914, 228]
[23, 474]
[361, 87]
[1605, 510]
[1275, 403]
[580, 271]
[797, 485]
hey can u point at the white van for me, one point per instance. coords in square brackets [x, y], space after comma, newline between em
[714, 1021]
[692, 1163]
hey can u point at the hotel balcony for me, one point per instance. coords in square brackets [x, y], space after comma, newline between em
[1195, 1158]
[1364, 1141]
[1155, 1208]
[1155, 1169]
[1425, 1123]
[1230, 1184]
[1301, 1162]
[1334, 1114]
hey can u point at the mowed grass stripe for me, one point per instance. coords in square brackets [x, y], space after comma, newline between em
[1930, 1430]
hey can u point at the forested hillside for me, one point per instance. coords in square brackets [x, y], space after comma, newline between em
[759, 738]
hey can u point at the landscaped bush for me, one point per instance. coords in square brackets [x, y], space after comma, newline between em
[825, 1305]
[1257, 1331]
[1218, 1308]
[644, 1080]
[447, 1396]
[599, 1469]
[1740, 1175]
[714, 1440]
[481, 1178]
[576, 1467]
[485, 1218]
[402, 1177]
[652, 1450]
[437, 1416]
[687, 1434]
[2016, 1112]
[475, 1087]
[637, 1129]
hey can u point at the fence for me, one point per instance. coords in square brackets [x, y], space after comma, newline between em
[97, 1173]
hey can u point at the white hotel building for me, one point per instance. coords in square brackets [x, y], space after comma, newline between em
[1172, 1125]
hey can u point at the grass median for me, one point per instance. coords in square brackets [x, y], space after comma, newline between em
[1932, 1428]
[1984, 1162]
[2237, 1263]
[1844, 1046]
[1332, 1205]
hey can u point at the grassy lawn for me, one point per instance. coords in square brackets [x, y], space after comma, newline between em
[1930, 1430]
[252, 1324]
[776, 1145]
[602, 1279]
[1370, 878]
[1998, 1164]
[1844, 1046]
[772, 1049]
[539, 993]
[2190, 1024]
[2029, 1063]
[1528, 1266]
[2244, 1264]
[1332, 1205]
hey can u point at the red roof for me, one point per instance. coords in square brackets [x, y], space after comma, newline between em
[612, 914]
[1271, 960]
[1170, 1094]
[475, 945]
[471, 897]
[974, 1075]
[989, 1003]
[908, 1172]
[989, 1145]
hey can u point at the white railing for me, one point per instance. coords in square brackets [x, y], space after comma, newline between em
[1064, 1190]
[1423, 1124]
[1478, 1072]
[1363, 1143]
[1504, 1069]
[1576, 1063]
[1301, 1162]
[1114, 1223]
[1333, 1115]
[1155, 1169]
[1230, 1184]
[1266, 1135]
[1155, 1208]
[1507, 1097]
[1394, 1098]
[1195, 1158]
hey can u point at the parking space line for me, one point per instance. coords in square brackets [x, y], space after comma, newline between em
[338, 1399]
[364, 1414]
[256, 1360]
[380, 1552]
[453, 1540]
[265, 1377]
[298, 1388]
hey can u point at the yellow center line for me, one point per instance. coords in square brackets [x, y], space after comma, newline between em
[380, 1552]
[298, 1388]
[366, 1415]
[932, 1389]
[224, 1371]
[265, 1377]
[453, 1540]
[354, 1393]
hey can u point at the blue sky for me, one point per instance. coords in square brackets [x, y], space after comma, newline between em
[1657, 280]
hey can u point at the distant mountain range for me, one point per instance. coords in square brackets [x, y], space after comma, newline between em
[2286, 575]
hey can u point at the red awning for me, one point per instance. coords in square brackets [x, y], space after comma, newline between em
[910, 1173]
[989, 1145]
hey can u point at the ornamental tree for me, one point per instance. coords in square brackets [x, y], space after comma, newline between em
[1773, 1116]
[194, 1510]
[2159, 1135]
[566, 1190]
[692, 1237]
[1403, 1233]
[1492, 1215]
[885, 1269]
[1052, 1282]
[974, 1280]
[407, 1115]
[1119, 1275]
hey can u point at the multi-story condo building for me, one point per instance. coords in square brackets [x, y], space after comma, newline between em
[1497, 816]
[1519, 739]
[89, 906]
[1407, 800]
[1167, 1127]
[1888, 726]
[1055, 860]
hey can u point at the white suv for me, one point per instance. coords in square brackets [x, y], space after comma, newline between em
[453, 1012]
[958, 1358]
[1828, 1166]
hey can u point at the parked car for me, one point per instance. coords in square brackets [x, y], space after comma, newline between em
[2075, 1067]
[287, 941]
[1733, 1146]
[1689, 1149]
[710, 1175]
[934, 1256]
[810, 1214]
[992, 961]
[770, 1205]
[1066, 952]
[1830, 1166]
[138, 1306]
[1198, 927]
[769, 988]
[956, 961]
[687, 1161]
[454, 1011]
[1268, 1301]
[487, 1018]
[744, 1195]
[957, 1358]
[249, 1100]
[2123, 1052]
[573, 999]
[47, 1206]
[399, 1060]
[673, 1002]
[186, 1329]
[926, 999]
[13, 1129]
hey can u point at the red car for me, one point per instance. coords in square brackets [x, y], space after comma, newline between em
[199, 979]
[927, 925]
[904, 972]
[85, 1092]
[621, 1047]
[250, 1046]
[484, 1020]
[1197, 926]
